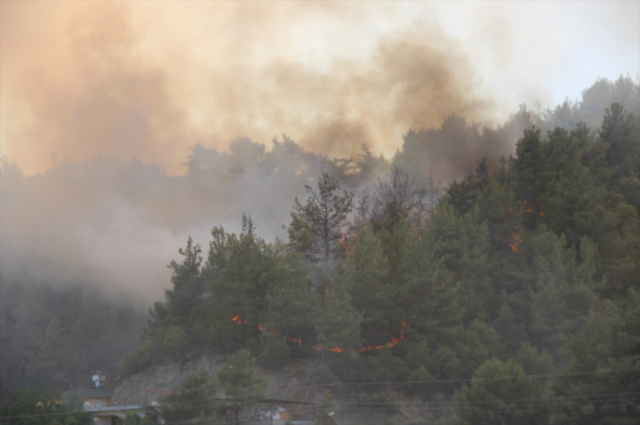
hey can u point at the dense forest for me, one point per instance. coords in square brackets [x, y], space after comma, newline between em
[513, 291]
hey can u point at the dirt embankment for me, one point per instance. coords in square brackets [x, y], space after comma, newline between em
[297, 381]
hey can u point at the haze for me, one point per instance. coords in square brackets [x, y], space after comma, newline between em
[150, 79]
[102, 103]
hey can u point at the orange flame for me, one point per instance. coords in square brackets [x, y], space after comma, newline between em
[345, 241]
[237, 320]
[516, 242]
[296, 340]
[334, 349]
[393, 342]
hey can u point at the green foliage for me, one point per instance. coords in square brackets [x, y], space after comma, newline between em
[474, 345]
[275, 351]
[338, 323]
[134, 419]
[363, 275]
[141, 358]
[580, 187]
[500, 394]
[534, 361]
[511, 330]
[427, 292]
[247, 294]
[419, 376]
[621, 131]
[563, 291]
[25, 407]
[301, 237]
[324, 214]
[289, 301]
[462, 195]
[191, 401]
[602, 373]
[237, 376]
[462, 245]
[508, 265]
[187, 284]
[175, 342]
[234, 270]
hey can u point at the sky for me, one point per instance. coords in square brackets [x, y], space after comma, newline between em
[151, 79]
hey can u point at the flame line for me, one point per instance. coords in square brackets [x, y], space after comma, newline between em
[237, 320]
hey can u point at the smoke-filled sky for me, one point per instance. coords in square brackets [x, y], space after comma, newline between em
[87, 87]
[150, 79]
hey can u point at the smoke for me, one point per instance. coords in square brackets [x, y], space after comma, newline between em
[123, 120]
[141, 80]
[117, 224]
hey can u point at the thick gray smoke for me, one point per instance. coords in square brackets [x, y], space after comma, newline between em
[105, 83]
[117, 223]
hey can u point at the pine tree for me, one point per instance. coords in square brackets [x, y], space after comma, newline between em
[499, 394]
[363, 275]
[600, 381]
[237, 376]
[324, 213]
[338, 324]
[187, 284]
[289, 300]
[192, 400]
[235, 273]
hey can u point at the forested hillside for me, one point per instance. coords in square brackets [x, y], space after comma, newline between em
[531, 269]
[513, 291]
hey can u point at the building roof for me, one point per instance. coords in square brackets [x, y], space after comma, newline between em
[83, 393]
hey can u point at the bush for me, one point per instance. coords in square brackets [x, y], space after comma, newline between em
[139, 359]
[501, 394]
[175, 342]
[275, 353]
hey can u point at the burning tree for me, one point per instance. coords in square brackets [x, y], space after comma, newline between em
[398, 188]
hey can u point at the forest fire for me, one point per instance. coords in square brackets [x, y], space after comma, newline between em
[332, 349]
[517, 241]
[345, 241]
[405, 327]
[530, 209]
[296, 340]
[393, 342]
